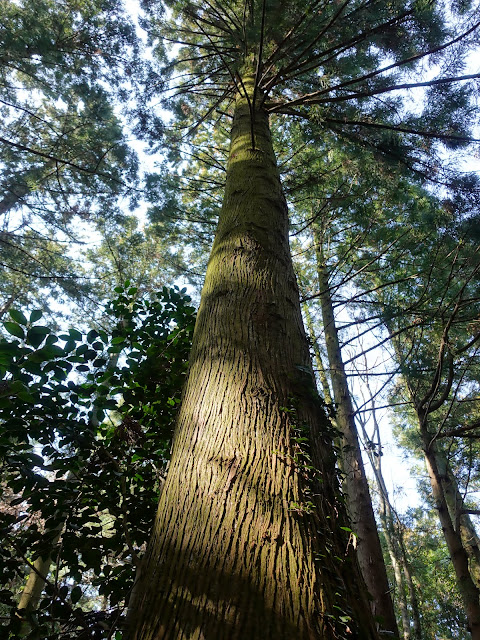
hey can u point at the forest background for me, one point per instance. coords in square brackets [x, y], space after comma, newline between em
[374, 112]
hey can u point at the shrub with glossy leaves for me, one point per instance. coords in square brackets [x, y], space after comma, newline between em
[85, 430]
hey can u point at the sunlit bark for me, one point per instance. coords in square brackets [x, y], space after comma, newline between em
[248, 540]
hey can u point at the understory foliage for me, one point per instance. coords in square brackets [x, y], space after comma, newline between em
[86, 430]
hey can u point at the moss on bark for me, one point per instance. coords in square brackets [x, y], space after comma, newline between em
[248, 540]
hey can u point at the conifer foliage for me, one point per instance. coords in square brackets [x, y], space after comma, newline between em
[252, 537]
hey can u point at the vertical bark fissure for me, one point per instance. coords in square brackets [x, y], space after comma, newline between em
[247, 532]
[359, 502]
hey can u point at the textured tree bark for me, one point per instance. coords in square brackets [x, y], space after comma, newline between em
[249, 519]
[359, 502]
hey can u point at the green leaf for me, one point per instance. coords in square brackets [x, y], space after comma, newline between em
[18, 316]
[69, 347]
[15, 329]
[36, 335]
[75, 335]
[76, 594]
[10, 348]
[49, 352]
[91, 336]
[26, 396]
[17, 388]
[35, 315]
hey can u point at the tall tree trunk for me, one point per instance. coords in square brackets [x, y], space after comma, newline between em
[399, 578]
[318, 358]
[388, 524]
[33, 589]
[416, 621]
[411, 624]
[248, 524]
[35, 584]
[461, 521]
[369, 550]
[467, 587]
[406, 592]
[468, 590]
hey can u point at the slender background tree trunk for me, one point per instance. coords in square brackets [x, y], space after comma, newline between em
[369, 550]
[405, 594]
[455, 503]
[467, 587]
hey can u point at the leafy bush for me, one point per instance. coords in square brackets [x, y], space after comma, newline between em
[85, 429]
